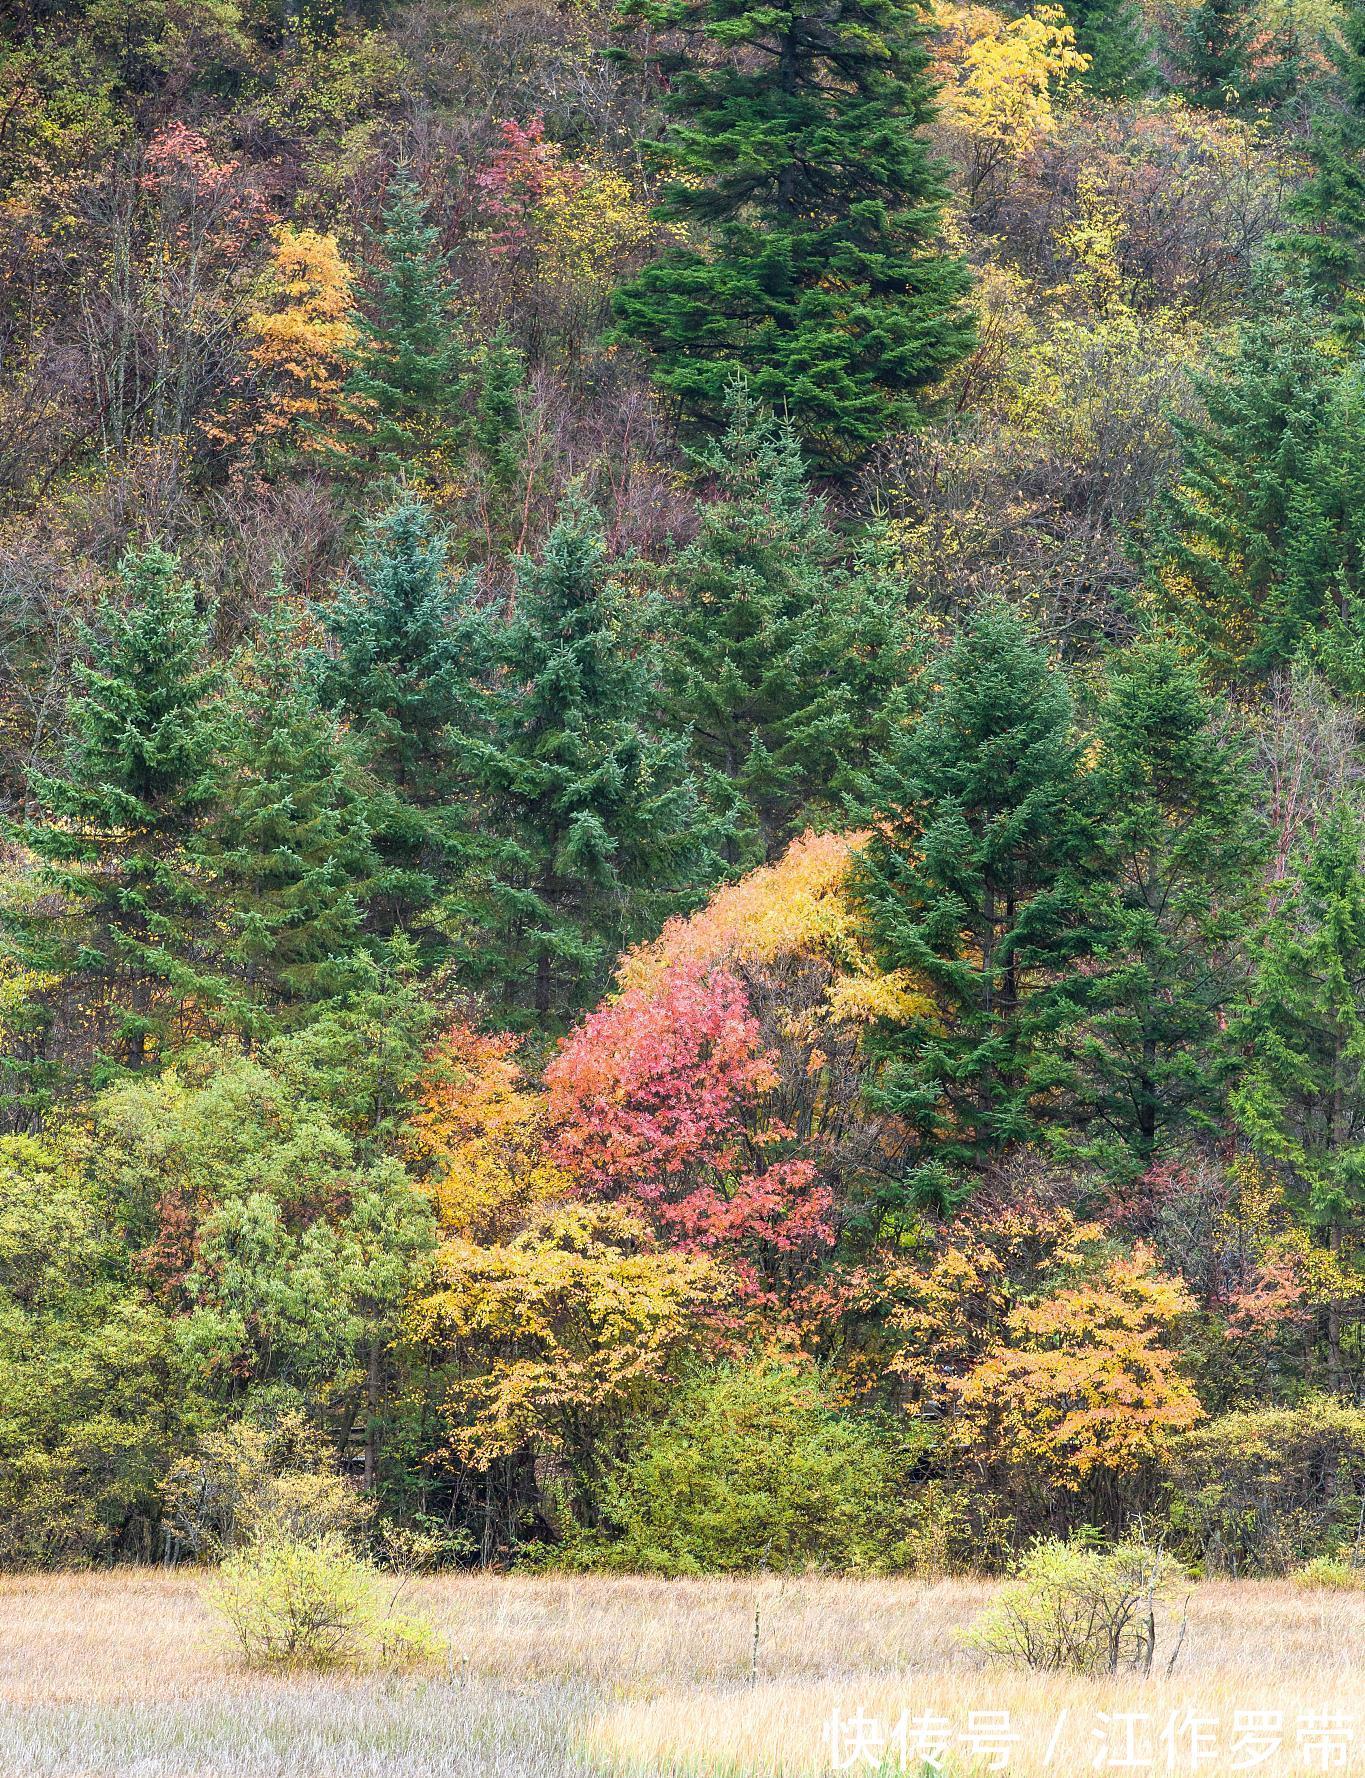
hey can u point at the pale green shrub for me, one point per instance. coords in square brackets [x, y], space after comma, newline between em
[315, 1603]
[1076, 1607]
[1330, 1574]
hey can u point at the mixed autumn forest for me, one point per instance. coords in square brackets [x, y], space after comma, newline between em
[681, 785]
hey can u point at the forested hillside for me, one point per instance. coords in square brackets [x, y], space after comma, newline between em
[681, 805]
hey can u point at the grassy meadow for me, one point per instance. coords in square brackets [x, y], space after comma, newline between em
[128, 1673]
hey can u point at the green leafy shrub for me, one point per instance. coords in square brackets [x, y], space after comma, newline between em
[1075, 1607]
[1266, 1490]
[293, 1602]
[755, 1468]
[1331, 1574]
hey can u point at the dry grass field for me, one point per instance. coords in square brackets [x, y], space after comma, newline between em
[127, 1673]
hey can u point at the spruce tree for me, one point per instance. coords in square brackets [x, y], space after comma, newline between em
[789, 669]
[1183, 855]
[289, 844]
[1301, 1104]
[1113, 33]
[397, 666]
[794, 149]
[406, 390]
[975, 883]
[1254, 546]
[123, 927]
[591, 826]
[1212, 53]
[1327, 245]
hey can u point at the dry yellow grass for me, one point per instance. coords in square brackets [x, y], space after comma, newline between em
[127, 1673]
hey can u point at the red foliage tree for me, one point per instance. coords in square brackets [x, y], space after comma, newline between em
[658, 1100]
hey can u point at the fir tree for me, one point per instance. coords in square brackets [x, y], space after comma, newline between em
[123, 924]
[397, 667]
[1183, 856]
[1212, 53]
[975, 883]
[592, 828]
[795, 142]
[289, 845]
[1113, 33]
[499, 426]
[1302, 1101]
[790, 671]
[1327, 247]
[405, 393]
[1255, 546]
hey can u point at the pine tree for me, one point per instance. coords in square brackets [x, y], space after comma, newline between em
[592, 828]
[975, 883]
[794, 141]
[1302, 1101]
[123, 925]
[790, 671]
[397, 666]
[1184, 852]
[1254, 547]
[289, 845]
[1327, 247]
[405, 393]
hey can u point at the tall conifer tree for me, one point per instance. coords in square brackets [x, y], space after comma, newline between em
[397, 666]
[1184, 850]
[1302, 1101]
[405, 394]
[790, 670]
[289, 843]
[818, 270]
[118, 822]
[976, 884]
[592, 827]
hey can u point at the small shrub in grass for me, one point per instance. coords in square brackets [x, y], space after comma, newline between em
[1077, 1607]
[1331, 1574]
[315, 1603]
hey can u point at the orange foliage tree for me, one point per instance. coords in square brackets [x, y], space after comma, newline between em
[478, 1131]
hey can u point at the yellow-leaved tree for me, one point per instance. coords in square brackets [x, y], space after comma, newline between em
[301, 332]
[1001, 77]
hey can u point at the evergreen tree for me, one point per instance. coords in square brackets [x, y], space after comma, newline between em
[499, 427]
[976, 883]
[397, 666]
[592, 827]
[795, 142]
[1256, 548]
[1113, 33]
[1212, 53]
[790, 671]
[122, 926]
[1302, 1101]
[289, 845]
[1183, 855]
[1328, 246]
[405, 393]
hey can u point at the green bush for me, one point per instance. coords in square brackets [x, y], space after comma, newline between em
[1264, 1491]
[314, 1603]
[1075, 1607]
[755, 1468]
[1331, 1574]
